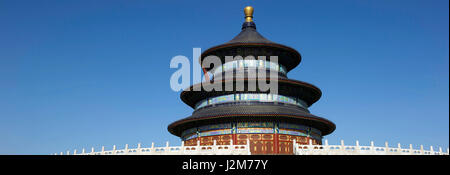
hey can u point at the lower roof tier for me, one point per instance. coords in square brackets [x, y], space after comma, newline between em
[250, 127]
[253, 112]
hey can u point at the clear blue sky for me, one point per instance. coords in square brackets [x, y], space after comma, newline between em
[79, 74]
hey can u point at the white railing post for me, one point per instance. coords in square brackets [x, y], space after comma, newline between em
[114, 150]
[67, 152]
[198, 146]
[326, 145]
[83, 151]
[248, 147]
[372, 147]
[75, 152]
[182, 147]
[103, 150]
[294, 147]
[61, 153]
[126, 148]
[411, 151]
[342, 145]
[440, 151]
[431, 150]
[167, 149]
[92, 150]
[215, 146]
[358, 149]
[139, 148]
[152, 149]
[386, 149]
[421, 150]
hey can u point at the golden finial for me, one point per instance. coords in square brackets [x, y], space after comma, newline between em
[248, 14]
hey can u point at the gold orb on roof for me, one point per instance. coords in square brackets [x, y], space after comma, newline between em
[248, 13]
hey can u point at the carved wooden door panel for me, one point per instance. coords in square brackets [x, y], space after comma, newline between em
[256, 147]
[285, 148]
[282, 148]
[268, 147]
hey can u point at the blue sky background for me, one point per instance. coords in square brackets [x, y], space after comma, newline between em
[77, 74]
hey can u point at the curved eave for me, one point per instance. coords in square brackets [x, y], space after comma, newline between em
[324, 125]
[295, 62]
[287, 87]
[272, 112]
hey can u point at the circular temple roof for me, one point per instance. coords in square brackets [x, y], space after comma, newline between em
[250, 42]
[305, 91]
[263, 111]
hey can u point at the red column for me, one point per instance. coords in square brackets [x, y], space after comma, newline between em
[275, 140]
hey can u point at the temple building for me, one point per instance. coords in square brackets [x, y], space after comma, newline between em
[270, 122]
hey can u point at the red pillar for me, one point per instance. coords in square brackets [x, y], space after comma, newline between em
[276, 148]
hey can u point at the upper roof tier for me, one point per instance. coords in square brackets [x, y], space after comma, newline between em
[249, 35]
[250, 42]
